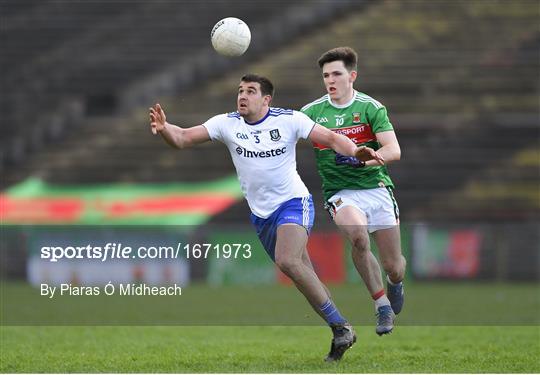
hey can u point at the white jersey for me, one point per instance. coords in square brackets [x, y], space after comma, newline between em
[264, 155]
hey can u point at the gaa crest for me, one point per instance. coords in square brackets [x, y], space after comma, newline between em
[274, 135]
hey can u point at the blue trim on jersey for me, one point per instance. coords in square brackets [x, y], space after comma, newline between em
[234, 114]
[274, 111]
[258, 122]
[296, 210]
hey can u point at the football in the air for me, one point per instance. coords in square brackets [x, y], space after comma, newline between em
[231, 36]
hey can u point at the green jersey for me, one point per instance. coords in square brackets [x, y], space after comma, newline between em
[359, 120]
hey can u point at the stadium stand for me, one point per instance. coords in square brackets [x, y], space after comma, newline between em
[87, 53]
[457, 95]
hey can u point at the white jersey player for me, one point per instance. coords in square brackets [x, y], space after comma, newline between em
[262, 142]
[264, 154]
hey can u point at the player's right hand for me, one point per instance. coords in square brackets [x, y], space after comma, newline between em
[157, 119]
[351, 161]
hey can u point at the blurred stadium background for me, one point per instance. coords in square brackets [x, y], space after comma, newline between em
[460, 80]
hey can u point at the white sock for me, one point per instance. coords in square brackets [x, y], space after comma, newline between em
[382, 301]
[390, 281]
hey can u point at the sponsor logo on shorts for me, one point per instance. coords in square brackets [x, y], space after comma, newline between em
[339, 202]
[292, 218]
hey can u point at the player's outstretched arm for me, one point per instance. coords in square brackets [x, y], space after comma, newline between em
[343, 145]
[389, 149]
[174, 135]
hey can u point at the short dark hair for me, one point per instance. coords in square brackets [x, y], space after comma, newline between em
[345, 54]
[267, 88]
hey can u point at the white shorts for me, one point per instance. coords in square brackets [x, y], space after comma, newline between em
[378, 204]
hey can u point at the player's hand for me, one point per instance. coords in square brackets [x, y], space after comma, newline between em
[157, 119]
[351, 161]
[364, 153]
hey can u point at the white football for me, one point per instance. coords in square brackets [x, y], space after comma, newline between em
[231, 36]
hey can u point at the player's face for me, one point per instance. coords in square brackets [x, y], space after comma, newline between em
[338, 81]
[252, 105]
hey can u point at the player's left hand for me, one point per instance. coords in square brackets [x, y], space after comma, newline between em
[364, 153]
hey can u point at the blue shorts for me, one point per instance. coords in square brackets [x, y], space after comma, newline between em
[297, 210]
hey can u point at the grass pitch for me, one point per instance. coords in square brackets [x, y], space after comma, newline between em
[444, 328]
[267, 349]
[427, 304]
